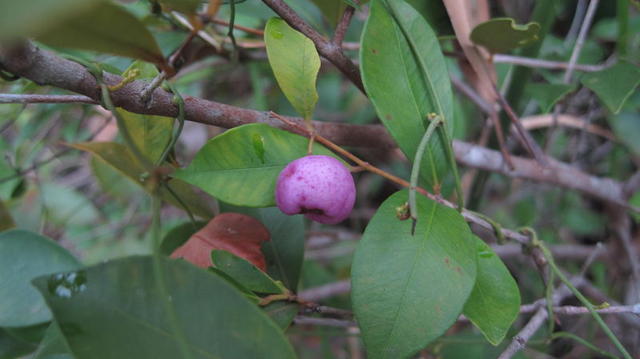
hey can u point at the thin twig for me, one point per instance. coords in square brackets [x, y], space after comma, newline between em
[545, 64]
[343, 25]
[327, 322]
[35, 98]
[316, 294]
[584, 29]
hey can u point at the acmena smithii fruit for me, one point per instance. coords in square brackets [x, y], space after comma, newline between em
[320, 187]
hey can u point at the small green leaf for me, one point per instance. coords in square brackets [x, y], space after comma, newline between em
[6, 221]
[53, 346]
[613, 85]
[184, 6]
[295, 64]
[103, 309]
[405, 86]
[282, 312]
[23, 256]
[229, 168]
[547, 95]
[635, 201]
[503, 34]
[106, 28]
[332, 9]
[122, 160]
[494, 302]
[151, 134]
[626, 126]
[244, 272]
[407, 290]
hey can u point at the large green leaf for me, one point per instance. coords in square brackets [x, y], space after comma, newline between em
[295, 64]
[23, 256]
[151, 134]
[331, 9]
[408, 289]
[54, 345]
[245, 273]
[494, 302]
[12, 347]
[241, 166]
[503, 34]
[26, 18]
[115, 310]
[405, 85]
[284, 252]
[613, 85]
[626, 126]
[106, 28]
[121, 159]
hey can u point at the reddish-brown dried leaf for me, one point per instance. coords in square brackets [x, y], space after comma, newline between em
[233, 232]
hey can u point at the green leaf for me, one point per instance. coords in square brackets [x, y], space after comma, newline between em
[102, 310]
[332, 9]
[295, 64]
[121, 159]
[635, 201]
[184, 6]
[27, 18]
[613, 85]
[151, 134]
[23, 256]
[626, 126]
[229, 168]
[494, 302]
[178, 235]
[282, 312]
[503, 34]
[548, 94]
[245, 273]
[53, 346]
[106, 28]
[12, 347]
[402, 90]
[407, 290]
[6, 221]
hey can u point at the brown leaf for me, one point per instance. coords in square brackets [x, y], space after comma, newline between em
[233, 232]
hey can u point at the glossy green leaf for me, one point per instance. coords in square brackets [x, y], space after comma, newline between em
[494, 302]
[106, 28]
[23, 256]
[547, 95]
[613, 85]
[284, 252]
[54, 345]
[244, 272]
[102, 310]
[229, 168]
[407, 290]
[151, 134]
[178, 235]
[295, 64]
[405, 86]
[28, 18]
[503, 34]
[121, 159]
[282, 312]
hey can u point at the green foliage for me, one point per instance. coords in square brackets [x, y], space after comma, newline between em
[119, 302]
[406, 78]
[229, 168]
[295, 64]
[408, 289]
[151, 134]
[105, 28]
[613, 85]
[547, 95]
[178, 235]
[244, 272]
[20, 303]
[494, 302]
[503, 34]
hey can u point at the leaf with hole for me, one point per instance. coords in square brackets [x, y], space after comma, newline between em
[407, 290]
[23, 256]
[503, 34]
[231, 169]
[406, 78]
[102, 307]
[295, 64]
[613, 85]
[494, 302]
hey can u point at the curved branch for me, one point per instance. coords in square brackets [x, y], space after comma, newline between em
[46, 68]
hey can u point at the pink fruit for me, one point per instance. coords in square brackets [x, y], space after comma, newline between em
[320, 187]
